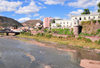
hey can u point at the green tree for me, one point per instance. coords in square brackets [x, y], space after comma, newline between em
[53, 21]
[99, 7]
[86, 11]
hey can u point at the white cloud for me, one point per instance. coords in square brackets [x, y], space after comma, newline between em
[9, 6]
[35, 15]
[41, 17]
[31, 8]
[57, 17]
[54, 2]
[77, 12]
[24, 19]
[83, 3]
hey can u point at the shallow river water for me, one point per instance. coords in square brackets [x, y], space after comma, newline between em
[17, 54]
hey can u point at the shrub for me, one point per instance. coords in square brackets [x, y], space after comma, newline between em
[60, 37]
[45, 30]
[98, 30]
[26, 33]
[79, 38]
[48, 35]
[99, 21]
[85, 39]
[94, 21]
[98, 42]
[82, 22]
[62, 31]
[88, 40]
[85, 34]
[85, 22]
[40, 34]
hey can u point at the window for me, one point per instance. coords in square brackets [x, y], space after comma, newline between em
[98, 16]
[80, 18]
[93, 17]
[89, 17]
[84, 18]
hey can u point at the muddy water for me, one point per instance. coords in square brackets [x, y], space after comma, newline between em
[17, 54]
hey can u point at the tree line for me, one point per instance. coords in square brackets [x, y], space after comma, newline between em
[87, 11]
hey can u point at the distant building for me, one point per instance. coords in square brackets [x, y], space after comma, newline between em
[38, 25]
[75, 20]
[86, 17]
[62, 24]
[47, 21]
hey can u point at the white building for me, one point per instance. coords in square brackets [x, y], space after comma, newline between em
[65, 23]
[75, 20]
[38, 25]
[86, 17]
[62, 24]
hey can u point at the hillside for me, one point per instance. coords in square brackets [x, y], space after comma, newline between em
[31, 23]
[8, 22]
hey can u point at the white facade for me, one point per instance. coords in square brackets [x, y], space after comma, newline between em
[87, 17]
[64, 24]
[75, 20]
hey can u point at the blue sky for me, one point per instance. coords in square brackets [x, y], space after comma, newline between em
[23, 10]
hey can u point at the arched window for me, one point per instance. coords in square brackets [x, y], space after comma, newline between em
[84, 18]
[80, 18]
[67, 22]
[75, 18]
[93, 17]
[89, 17]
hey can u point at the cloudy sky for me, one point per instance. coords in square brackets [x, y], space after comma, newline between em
[23, 10]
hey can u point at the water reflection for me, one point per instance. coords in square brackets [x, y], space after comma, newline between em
[17, 54]
[74, 57]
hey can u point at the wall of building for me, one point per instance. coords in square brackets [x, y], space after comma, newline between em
[62, 23]
[74, 22]
[86, 17]
[47, 21]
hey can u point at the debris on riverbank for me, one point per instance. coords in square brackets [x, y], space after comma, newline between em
[90, 63]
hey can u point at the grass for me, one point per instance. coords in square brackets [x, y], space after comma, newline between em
[77, 42]
[99, 21]
[2, 33]
[86, 22]
[85, 34]
[64, 31]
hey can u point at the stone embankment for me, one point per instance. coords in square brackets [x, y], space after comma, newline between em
[93, 38]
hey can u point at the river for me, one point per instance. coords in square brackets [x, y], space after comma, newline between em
[18, 54]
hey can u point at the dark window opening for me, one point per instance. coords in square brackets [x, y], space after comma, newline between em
[80, 18]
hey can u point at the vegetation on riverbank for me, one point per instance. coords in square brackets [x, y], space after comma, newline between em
[97, 33]
[69, 40]
[60, 31]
